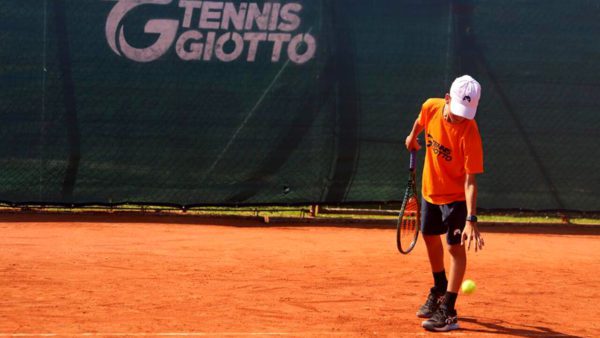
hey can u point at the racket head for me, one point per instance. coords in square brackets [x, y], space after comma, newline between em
[409, 222]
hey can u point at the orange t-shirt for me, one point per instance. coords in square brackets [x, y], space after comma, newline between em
[453, 150]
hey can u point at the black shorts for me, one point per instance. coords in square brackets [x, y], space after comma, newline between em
[442, 219]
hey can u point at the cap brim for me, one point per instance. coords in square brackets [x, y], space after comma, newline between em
[461, 110]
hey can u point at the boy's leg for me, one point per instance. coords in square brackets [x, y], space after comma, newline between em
[455, 216]
[432, 227]
[458, 266]
[445, 318]
[435, 251]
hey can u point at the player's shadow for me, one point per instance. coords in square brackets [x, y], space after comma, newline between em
[494, 326]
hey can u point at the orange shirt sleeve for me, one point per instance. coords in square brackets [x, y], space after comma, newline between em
[425, 113]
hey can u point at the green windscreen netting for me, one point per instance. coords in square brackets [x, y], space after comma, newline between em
[227, 102]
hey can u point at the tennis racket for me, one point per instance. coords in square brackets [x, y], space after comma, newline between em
[409, 219]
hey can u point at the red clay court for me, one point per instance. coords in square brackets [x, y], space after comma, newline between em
[164, 277]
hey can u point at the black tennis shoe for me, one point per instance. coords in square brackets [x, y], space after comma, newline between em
[433, 302]
[443, 320]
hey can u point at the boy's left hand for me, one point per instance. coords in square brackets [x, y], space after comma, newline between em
[470, 233]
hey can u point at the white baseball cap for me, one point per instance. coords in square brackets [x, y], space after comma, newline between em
[465, 93]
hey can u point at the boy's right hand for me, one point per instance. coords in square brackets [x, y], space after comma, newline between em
[411, 143]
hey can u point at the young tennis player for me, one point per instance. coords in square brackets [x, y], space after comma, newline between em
[453, 157]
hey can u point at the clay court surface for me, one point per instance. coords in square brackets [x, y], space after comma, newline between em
[121, 277]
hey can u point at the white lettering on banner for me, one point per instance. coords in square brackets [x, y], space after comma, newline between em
[194, 51]
[189, 9]
[215, 30]
[211, 11]
[238, 42]
[294, 46]
[289, 14]
[254, 38]
[278, 41]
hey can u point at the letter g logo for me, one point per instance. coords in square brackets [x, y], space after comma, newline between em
[167, 30]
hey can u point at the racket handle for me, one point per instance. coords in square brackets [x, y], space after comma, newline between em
[413, 160]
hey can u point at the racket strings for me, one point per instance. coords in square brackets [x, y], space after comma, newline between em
[411, 210]
[409, 224]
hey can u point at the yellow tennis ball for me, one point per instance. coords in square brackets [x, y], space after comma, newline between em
[468, 286]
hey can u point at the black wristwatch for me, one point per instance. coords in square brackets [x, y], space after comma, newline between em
[472, 218]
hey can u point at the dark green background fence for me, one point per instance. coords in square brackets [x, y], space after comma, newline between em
[81, 124]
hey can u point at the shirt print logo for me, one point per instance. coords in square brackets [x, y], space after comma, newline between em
[439, 149]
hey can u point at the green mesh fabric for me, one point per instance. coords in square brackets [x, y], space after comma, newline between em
[157, 101]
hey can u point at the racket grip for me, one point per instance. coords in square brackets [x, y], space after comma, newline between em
[413, 160]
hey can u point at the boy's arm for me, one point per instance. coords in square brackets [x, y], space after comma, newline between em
[411, 140]
[471, 231]
[471, 194]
